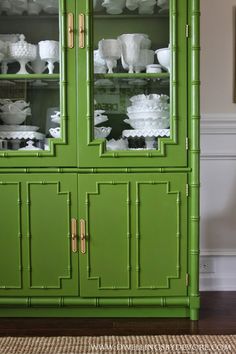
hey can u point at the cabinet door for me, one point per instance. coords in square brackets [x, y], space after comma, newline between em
[35, 242]
[129, 116]
[136, 235]
[37, 84]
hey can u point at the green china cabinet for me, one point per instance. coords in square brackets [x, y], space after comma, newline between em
[99, 158]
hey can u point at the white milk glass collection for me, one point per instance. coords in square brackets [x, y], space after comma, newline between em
[29, 58]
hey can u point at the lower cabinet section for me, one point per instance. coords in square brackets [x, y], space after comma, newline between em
[136, 235]
[35, 242]
[129, 256]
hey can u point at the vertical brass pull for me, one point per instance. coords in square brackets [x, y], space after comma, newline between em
[81, 31]
[74, 235]
[82, 236]
[70, 21]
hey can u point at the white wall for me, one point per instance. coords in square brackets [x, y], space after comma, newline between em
[218, 144]
[217, 31]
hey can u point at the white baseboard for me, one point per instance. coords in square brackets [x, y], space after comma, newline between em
[211, 282]
[222, 275]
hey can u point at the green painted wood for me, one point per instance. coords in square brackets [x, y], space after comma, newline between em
[194, 156]
[172, 152]
[28, 302]
[96, 312]
[11, 236]
[106, 264]
[142, 229]
[129, 237]
[38, 239]
[158, 239]
[29, 77]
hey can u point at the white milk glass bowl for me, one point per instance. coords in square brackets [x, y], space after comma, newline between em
[13, 118]
[163, 56]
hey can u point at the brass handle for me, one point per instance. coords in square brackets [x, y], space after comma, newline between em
[82, 236]
[70, 21]
[81, 31]
[74, 235]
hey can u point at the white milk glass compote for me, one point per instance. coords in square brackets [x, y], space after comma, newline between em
[49, 52]
[110, 51]
[22, 52]
[38, 66]
[131, 45]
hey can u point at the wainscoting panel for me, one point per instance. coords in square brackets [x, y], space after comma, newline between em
[218, 202]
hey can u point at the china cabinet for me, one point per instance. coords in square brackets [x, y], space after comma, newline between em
[99, 158]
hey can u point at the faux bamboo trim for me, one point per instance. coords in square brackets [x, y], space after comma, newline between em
[194, 153]
[94, 302]
[95, 170]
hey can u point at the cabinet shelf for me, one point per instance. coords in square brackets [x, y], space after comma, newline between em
[30, 77]
[129, 16]
[29, 16]
[132, 76]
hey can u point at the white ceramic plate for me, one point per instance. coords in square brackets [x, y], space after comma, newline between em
[18, 128]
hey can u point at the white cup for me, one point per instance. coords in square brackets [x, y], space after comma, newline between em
[132, 4]
[34, 8]
[153, 69]
[146, 10]
[6, 6]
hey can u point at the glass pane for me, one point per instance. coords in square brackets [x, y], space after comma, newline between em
[30, 74]
[131, 73]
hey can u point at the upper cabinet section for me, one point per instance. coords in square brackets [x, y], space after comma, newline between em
[132, 83]
[37, 94]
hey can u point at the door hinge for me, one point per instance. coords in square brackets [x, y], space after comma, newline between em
[187, 190]
[187, 31]
[187, 143]
[187, 279]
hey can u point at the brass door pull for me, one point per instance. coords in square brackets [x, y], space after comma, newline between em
[70, 21]
[81, 31]
[74, 235]
[82, 236]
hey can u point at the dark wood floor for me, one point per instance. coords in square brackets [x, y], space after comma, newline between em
[218, 316]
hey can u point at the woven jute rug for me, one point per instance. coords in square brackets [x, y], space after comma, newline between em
[118, 344]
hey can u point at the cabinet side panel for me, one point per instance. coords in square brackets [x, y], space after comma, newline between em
[10, 236]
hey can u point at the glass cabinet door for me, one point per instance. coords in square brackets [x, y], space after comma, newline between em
[35, 50]
[135, 83]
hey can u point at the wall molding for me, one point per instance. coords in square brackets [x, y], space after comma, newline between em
[218, 123]
[218, 252]
[218, 156]
[223, 126]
